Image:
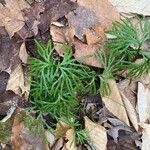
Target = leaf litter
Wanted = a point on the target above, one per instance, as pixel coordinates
(125, 119)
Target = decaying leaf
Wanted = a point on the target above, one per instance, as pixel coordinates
(70, 145)
(114, 132)
(143, 103)
(104, 10)
(114, 103)
(141, 7)
(4, 77)
(130, 111)
(97, 134)
(80, 19)
(23, 139)
(11, 15)
(18, 83)
(32, 20)
(9, 50)
(87, 23)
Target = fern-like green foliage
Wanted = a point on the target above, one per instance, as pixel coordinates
(129, 38)
(111, 65)
(56, 81)
(122, 51)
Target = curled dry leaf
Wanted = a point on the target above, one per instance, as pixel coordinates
(11, 15)
(143, 103)
(70, 145)
(114, 103)
(97, 134)
(18, 82)
(130, 111)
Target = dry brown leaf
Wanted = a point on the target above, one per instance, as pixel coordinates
(85, 53)
(114, 103)
(143, 103)
(61, 128)
(145, 136)
(18, 82)
(80, 19)
(129, 89)
(130, 111)
(97, 134)
(23, 139)
(103, 9)
(91, 38)
(11, 15)
(70, 145)
(23, 53)
(141, 7)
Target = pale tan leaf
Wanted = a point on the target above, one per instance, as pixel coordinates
(58, 36)
(50, 137)
(11, 15)
(114, 103)
(143, 102)
(70, 145)
(18, 82)
(141, 7)
(145, 136)
(23, 53)
(130, 111)
(97, 134)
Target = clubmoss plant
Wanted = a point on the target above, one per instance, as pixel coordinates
(56, 81)
(123, 50)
